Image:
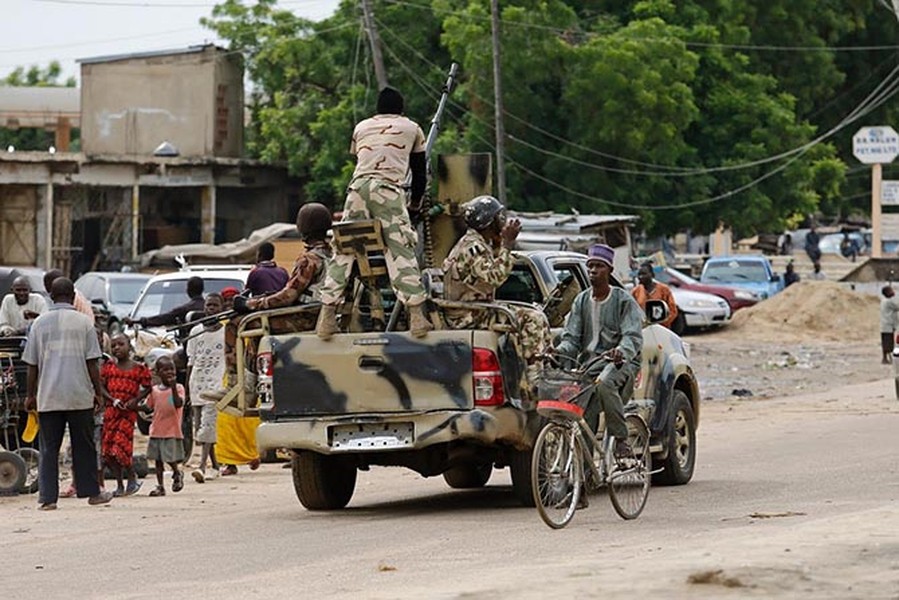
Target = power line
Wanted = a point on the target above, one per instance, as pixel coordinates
(770, 48)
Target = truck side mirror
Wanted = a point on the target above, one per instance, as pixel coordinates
(656, 311)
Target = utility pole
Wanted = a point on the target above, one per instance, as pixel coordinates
(498, 107)
(375, 42)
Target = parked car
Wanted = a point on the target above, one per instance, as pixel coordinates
(748, 271)
(164, 292)
(698, 310)
(35, 278)
(737, 298)
(112, 295)
(830, 243)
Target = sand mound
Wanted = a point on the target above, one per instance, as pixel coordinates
(812, 310)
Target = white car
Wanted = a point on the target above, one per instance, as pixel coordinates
(698, 310)
(168, 290)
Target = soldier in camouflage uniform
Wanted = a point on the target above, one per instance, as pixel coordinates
(313, 223)
(477, 265)
(387, 146)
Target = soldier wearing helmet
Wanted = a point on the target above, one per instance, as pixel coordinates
(477, 265)
(387, 147)
(313, 224)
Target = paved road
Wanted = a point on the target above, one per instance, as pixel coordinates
(792, 498)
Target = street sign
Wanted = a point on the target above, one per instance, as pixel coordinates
(889, 193)
(876, 145)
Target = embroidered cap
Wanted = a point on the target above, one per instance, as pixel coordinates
(601, 252)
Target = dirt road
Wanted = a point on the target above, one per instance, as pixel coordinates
(793, 497)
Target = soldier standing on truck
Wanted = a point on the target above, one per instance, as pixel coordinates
(477, 265)
(387, 146)
(606, 320)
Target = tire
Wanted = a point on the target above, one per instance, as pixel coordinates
(322, 482)
(13, 473)
(466, 477)
(679, 326)
(629, 480)
(677, 468)
(32, 459)
(556, 474)
(520, 470)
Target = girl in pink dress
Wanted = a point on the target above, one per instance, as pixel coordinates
(166, 440)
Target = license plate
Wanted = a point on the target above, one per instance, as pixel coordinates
(372, 436)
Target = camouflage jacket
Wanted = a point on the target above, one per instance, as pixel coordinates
(473, 270)
(302, 287)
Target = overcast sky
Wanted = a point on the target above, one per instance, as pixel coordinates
(35, 32)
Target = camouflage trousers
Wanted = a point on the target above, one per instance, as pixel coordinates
(369, 198)
(532, 338)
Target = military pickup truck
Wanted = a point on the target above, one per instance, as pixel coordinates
(446, 405)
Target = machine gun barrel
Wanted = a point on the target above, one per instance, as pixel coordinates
(441, 107)
(222, 316)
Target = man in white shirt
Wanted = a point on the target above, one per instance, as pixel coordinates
(20, 308)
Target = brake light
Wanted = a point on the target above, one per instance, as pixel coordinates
(264, 364)
(487, 378)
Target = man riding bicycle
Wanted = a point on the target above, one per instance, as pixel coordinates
(606, 320)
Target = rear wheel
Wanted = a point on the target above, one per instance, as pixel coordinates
(630, 477)
(556, 474)
(13, 473)
(32, 459)
(322, 482)
(468, 476)
(677, 468)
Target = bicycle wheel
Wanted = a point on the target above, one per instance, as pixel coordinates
(630, 477)
(556, 474)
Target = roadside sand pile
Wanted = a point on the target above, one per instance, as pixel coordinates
(811, 310)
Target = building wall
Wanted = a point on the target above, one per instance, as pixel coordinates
(18, 225)
(192, 100)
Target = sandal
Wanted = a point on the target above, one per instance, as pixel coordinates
(118, 493)
(229, 470)
(177, 481)
(133, 488)
(158, 491)
(254, 464)
(70, 491)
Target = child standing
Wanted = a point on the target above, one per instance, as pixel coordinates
(166, 446)
(205, 370)
(125, 383)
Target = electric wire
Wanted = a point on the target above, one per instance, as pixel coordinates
(771, 48)
(874, 100)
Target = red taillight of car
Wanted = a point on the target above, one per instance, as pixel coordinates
(264, 364)
(487, 378)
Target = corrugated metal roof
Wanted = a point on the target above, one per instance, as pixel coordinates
(149, 54)
(562, 223)
(40, 100)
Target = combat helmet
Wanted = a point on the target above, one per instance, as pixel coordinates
(480, 212)
(313, 220)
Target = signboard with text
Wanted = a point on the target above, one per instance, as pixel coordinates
(889, 193)
(875, 145)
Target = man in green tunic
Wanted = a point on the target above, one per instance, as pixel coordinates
(605, 320)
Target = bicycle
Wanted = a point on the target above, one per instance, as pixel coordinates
(561, 451)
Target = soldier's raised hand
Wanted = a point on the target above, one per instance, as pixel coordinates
(510, 232)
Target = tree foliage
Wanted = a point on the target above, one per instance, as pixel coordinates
(682, 111)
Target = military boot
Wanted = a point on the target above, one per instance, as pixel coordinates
(327, 322)
(419, 325)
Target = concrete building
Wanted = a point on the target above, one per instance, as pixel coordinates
(103, 206)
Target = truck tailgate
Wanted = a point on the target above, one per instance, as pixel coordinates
(371, 373)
